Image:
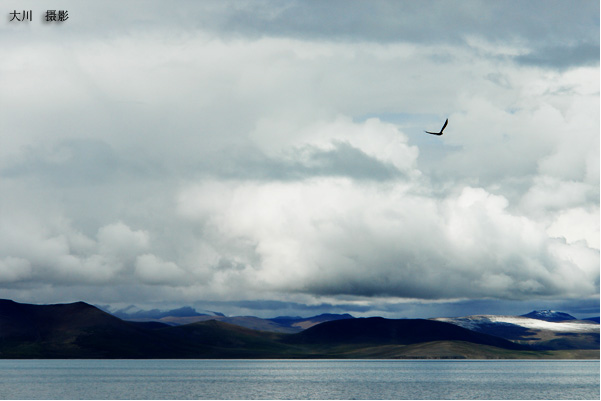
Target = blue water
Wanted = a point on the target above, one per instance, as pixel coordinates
(298, 379)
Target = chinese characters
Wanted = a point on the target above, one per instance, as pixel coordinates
(21, 16)
(58, 16)
(49, 16)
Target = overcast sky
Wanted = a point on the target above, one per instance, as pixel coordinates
(269, 157)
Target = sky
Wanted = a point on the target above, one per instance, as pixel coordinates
(269, 158)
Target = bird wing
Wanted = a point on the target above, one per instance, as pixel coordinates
(433, 133)
(444, 126)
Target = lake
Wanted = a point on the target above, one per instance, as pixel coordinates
(299, 379)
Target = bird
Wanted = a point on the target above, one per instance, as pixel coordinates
(442, 129)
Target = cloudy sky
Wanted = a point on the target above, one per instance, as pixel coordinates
(269, 157)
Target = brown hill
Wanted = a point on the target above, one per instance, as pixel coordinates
(76, 330)
(377, 330)
(80, 330)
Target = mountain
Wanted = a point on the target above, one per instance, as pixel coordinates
(537, 333)
(76, 330)
(549, 315)
(183, 315)
(280, 324)
(298, 323)
(187, 315)
(249, 322)
(80, 330)
(377, 330)
(216, 339)
(133, 313)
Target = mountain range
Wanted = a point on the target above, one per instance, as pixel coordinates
(80, 330)
(187, 315)
(538, 330)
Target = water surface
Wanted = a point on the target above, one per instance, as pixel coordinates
(298, 379)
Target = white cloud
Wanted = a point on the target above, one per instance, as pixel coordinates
(376, 139)
(577, 224)
(53, 251)
(339, 236)
(333, 236)
(286, 160)
(121, 242)
(14, 269)
(153, 270)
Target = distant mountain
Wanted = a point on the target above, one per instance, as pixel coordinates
(540, 334)
(187, 315)
(549, 315)
(253, 323)
(133, 313)
(377, 330)
(173, 317)
(280, 324)
(300, 323)
(80, 330)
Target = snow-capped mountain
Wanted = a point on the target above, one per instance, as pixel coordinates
(476, 322)
(549, 315)
(567, 334)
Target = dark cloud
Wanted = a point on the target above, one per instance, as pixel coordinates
(281, 307)
(77, 162)
(423, 22)
(549, 29)
(342, 160)
(562, 57)
(346, 160)
(392, 309)
(72, 162)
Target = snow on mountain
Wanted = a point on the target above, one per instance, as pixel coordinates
(549, 315)
(473, 322)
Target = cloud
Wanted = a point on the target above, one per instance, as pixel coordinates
(70, 162)
(38, 251)
(153, 270)
(331, 235)
(275, 151)
(384, 21)
(119, 241)
(562, 57)
(342, 159)
(577, 224)
(14, 269)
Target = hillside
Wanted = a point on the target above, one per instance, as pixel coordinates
(299, 324)
(80, 330)
(76, 330)
(549, 315)
(542, 334)
(377, 330)
(188, 315)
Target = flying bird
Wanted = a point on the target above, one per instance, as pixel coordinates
(442, 129)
